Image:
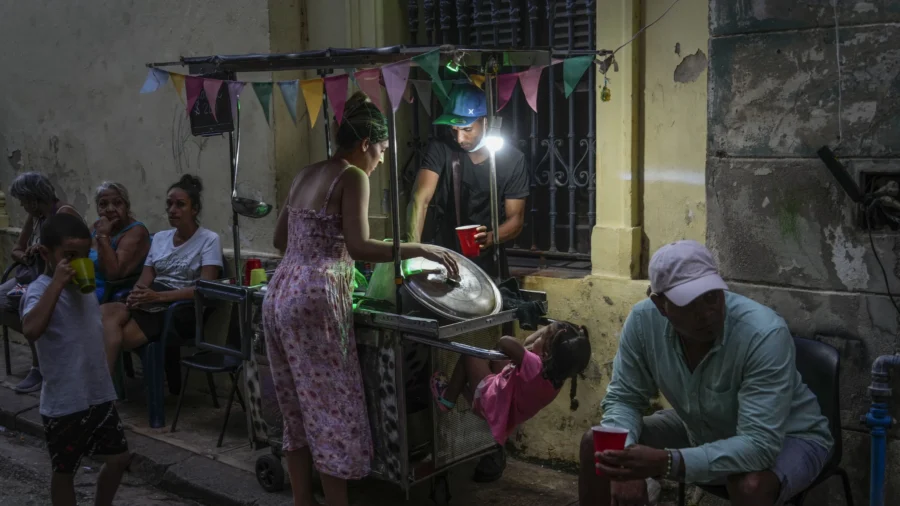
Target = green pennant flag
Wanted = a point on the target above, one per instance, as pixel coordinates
(441, 90)
(264, 94)
(430, 62)
(573, 70)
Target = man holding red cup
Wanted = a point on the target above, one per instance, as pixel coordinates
(741, 415)
(451, 191)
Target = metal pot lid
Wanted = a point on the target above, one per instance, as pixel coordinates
(475, 295)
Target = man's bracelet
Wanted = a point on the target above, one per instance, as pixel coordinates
(668, 473)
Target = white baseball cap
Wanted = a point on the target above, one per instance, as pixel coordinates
(683, 271)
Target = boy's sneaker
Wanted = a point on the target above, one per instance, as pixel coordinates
(31, 383)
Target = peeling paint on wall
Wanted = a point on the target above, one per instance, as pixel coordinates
(849, 260)
(690, 67)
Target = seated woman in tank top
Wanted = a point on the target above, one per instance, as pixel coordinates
(121, 242)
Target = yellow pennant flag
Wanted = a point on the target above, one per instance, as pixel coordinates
(178, 83)
(313, 91)
(477, 80)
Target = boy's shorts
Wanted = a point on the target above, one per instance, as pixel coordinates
(94, 431)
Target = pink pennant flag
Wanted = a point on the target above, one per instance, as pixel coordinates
(530, 79)
(369, 81)
(556, 61)
(234, 91)
(506, 85)
(395, 77)
(336, 90)
(193, 85)
(211, 87)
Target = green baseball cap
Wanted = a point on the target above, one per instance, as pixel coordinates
(467, 104)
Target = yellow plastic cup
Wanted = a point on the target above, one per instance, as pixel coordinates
(258, 277)
(84, 274)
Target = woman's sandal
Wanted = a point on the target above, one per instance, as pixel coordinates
(438, 387)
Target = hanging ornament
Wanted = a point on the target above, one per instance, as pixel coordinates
(605, 94)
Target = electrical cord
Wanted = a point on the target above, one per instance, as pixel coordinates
(887, 285)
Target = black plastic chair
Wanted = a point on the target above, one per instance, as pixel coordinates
(9, 319)
(213, 363)
(819, 365)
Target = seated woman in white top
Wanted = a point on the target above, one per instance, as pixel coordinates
(177, 259)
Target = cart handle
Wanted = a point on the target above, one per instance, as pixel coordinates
(462, 349)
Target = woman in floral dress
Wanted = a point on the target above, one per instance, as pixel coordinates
(307, 313)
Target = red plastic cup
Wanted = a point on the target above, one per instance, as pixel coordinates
(252, 263)
(466, 235)
(608, 438)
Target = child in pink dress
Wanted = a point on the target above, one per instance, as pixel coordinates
(508, 393)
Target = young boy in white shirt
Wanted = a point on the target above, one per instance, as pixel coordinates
(77, 397)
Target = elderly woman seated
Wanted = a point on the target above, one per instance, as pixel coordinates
(177, 259)
(38, 198)
(121, 243)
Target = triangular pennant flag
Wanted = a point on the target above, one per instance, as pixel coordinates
(573, 69)
(264, 95)
(530, 79)
(506, 85)
(289, 94)
(155, 79)
(430, 62)
(395, 77)
(477, 80)
(369, 82)
(234, 91)
(211, 87)
(423, 90)
(312, 93)
(178, 84)
(336, 89)
(193, 85)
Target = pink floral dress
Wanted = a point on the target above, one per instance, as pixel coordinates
(308, 319)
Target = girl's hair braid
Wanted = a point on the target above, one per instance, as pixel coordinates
(567, 358)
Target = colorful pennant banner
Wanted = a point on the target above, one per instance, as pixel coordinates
(336, 90)
(289, 94)
(312, 93)
(264, 95)
(393, 77)
(369, 81)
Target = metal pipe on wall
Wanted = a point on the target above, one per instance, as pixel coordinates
(879, 420)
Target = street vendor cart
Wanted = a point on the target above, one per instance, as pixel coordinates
(420, 325)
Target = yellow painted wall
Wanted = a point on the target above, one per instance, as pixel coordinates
(651, 191)
(674, 129)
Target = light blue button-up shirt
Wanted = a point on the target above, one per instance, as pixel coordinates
(738, 404)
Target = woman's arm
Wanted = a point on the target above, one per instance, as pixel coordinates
(21, 247)
(207, 272)
(281, 232)
(355, 209)
(132, 250)
(512, 348)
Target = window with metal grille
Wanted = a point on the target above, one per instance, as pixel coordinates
(558, 140)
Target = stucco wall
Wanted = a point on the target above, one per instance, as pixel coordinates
(670, 136)
(71, 108)
(783, 231)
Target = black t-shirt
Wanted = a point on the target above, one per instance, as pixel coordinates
(475, 193)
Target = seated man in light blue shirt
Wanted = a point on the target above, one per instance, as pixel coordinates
(742, 416)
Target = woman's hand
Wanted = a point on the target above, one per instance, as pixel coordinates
(32, 253)
(443, 257)
(142, 295)
(104, 226)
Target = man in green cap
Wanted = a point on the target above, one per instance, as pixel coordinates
(460, 161)
(455, 173)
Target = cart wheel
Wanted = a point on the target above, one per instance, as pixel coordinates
(440, 491)
(269, 473)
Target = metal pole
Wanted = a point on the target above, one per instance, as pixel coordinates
(323, 74)
(495, 218)
(395, 207)
(235, 148)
